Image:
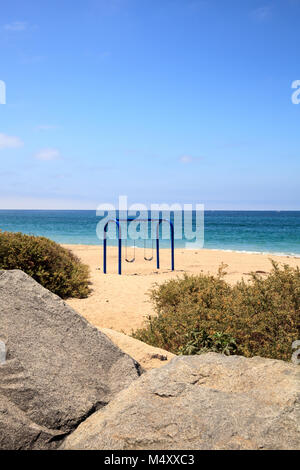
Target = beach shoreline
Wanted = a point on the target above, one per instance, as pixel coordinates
(196, 248)
(121, 303)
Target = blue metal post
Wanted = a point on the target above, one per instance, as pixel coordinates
(172, 245)
(172, 242)
(120, 253)
(119, 248)
(104, 253)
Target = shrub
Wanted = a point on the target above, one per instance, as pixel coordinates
(199, 342)
(53, 266)
(201, 313)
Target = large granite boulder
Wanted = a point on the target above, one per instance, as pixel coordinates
(58, 368)
(201, 402)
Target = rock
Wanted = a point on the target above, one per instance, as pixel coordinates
(58, 369)
(147, 356)
(18, 432)
(200, 402)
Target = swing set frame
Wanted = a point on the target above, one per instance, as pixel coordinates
(129, 219)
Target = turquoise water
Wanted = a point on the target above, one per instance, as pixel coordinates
(254, 231)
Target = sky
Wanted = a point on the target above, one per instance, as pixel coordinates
(164, 101)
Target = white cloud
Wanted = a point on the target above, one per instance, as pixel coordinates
(31, 59)
(16, 26)
(48, 154)
(186, 159)
(8, 141)
(261, 13)
(46, 127)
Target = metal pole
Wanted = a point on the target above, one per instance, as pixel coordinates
(104, 250)
(172, 242)
(172, 245)
(119, 246)
(104, 255)
(120, 252)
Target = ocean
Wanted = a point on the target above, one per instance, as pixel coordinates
(248, 231)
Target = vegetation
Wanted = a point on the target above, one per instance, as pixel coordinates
(203, 313)
(53, 266)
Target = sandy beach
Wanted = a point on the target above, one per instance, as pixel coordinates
(121, 303)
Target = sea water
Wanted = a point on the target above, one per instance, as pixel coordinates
(249, 231)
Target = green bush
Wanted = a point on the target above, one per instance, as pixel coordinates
(199, 342)
(53, 266)
(200, 313)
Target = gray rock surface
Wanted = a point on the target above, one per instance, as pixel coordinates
(201, 402)
(58, 368)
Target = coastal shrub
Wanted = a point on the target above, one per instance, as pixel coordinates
(199, 342)
(50, 264)
(195, 314)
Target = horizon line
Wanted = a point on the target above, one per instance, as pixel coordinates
(187, 210)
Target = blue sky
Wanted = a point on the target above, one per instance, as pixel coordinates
(163, 101)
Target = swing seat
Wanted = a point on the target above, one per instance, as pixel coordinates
(126, 257)
(145, 257)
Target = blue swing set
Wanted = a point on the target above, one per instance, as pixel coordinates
(129, 219)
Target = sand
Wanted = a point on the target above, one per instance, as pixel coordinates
(121, 303)
(147, 356)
